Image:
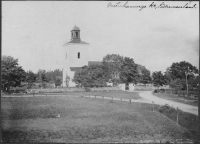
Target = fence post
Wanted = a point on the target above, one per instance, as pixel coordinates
(153, 105)
(112, 98)
(130, 101)
(177, 116)
(121, 99)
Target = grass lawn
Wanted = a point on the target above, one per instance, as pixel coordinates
(114, 94)
(83, 120)
(177, 98)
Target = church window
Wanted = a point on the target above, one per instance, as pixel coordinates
(76, 34)
(78, 54)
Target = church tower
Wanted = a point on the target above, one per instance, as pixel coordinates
(75, 56)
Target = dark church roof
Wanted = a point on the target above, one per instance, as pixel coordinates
(94, 63)
(77, 41)
(75, 28)
(75, 68)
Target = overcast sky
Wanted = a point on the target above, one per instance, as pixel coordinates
(34, 32)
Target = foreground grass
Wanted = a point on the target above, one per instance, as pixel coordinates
(114, 94)
(176, 98)
(83, 120)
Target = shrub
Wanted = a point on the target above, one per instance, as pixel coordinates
(156, 91)
(87, 89)
(162, 90)
(166, 108)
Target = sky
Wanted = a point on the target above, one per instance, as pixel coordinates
(34, 32)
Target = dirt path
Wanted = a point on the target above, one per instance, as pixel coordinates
(147, 97)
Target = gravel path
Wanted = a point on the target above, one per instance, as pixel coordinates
(148, 97)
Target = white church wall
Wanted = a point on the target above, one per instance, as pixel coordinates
(73, 50)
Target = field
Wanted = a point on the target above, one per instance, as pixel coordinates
(34, 119)
(114, 93)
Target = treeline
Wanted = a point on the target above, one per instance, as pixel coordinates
(180, 76)
(13, 75)
(114, 69)
(43, 77)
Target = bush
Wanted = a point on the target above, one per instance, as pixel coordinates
(162, 90)
(166, 108)
(156, 91)
(87, 89)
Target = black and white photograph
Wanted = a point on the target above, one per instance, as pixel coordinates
(100, 72)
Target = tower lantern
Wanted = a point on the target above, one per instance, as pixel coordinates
(75, 34)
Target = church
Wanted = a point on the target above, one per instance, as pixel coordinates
(76, 55)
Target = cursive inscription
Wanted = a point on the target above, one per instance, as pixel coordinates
(163, 5)
(154, 5)
(126, 5)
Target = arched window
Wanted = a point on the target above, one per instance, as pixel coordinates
(66, 55)
(78, 54)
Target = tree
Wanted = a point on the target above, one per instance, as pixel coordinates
(12, 74)
(182, 70)
(129, 73)
(112, 67)
(58, 81)
(176, 84)
(81, 77)
(67, 79)
(144, 75)
(193, 82)
(30, 78)
(177, 70)
(159, 79)
(97, 75)
(90, 76)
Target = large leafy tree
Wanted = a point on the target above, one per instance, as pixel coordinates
(112, 67)
(177, 70)
(159, 79)
(12, 73)
(176, 84)
(144, 75)
(182, 70)
(81, 77)
(129, 73)
(91, 76)
(97, 75)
